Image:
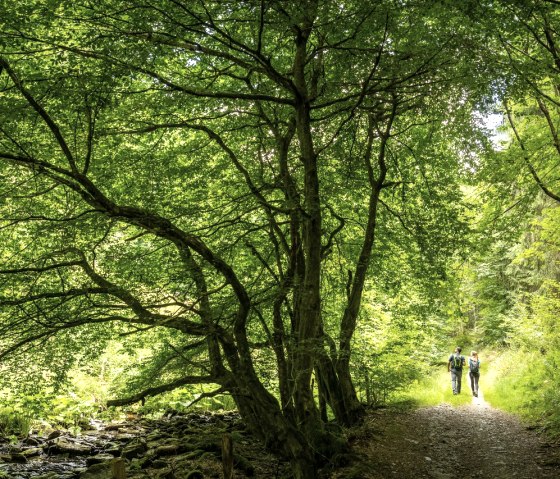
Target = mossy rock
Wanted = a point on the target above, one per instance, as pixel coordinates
(237, 436)
(158, 464)
(194, 454)
(243, 464)
(165, 474)
(194, 475)
(210, 444)
(210, 456)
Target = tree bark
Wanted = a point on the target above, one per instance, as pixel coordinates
(350, 317)
(227, 456)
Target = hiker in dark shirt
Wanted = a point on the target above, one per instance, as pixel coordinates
(474, 372)
(455, 366)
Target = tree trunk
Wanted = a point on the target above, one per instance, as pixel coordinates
(330, 384)
(304, 444)
(354, 408)
(350, 317)
(227, 456)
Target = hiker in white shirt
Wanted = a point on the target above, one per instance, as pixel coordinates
(474, 372)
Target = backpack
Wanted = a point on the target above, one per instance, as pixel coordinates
(474, 365)
(457, 361)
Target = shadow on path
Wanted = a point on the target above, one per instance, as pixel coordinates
(474, 441)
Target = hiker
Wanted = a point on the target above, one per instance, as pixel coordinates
(474, 372)
(455, 366)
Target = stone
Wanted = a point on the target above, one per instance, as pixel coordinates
(195, 475)
(64, 445)
(99, 458)
(98, 471)
(18, 458)
(113, 427)
(31, 441)
(159, 464)
(134, 449)
(112, 448)
(243, 464)
(32, 452)
(194, 454)
(167, 450)
(165, 474)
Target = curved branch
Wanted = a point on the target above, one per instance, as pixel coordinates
(60, 327)
(532, 170)
(39, 269)
(142, 218)
(72, 293)
(141, 396)
(341, 223)
(42, 112)
(201, 93)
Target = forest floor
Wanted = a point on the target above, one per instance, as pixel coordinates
(474, 441)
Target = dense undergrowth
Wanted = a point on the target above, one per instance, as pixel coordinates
(526, 383)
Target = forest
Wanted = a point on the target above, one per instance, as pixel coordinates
(293, 210)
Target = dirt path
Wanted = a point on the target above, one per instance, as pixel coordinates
(444, 442)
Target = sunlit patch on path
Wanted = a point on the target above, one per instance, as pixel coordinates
(479, 401)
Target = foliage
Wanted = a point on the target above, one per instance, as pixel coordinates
(524, 377)
(14, 422)
(256, 199)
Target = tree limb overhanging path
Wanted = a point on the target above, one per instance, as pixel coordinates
(444, 442)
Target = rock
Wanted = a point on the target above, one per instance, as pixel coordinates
(209, 444)
(167, 450)
(244, 464)
(143, 462)
(195, 454)
(113, 427)
(112, 448)
(54, 435)
(113, 469)
(165, 474)
(65, 445)
(31, 441)
(195, 475)
(156, 436)
(99, 458)
(98, 471)
(32, 452)
(134, 449)
(159, 464)
(14, 457)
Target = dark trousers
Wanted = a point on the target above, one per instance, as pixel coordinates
(474, 381)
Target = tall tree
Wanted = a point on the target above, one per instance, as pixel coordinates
(193, 168)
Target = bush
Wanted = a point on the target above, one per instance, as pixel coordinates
(14, 423)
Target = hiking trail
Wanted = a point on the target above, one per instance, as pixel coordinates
(444, 442)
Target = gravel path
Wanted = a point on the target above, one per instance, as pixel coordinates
(445, 442)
